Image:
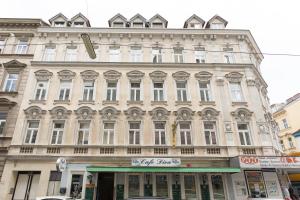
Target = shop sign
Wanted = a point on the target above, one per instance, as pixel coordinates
(269, 162)
(155, 162)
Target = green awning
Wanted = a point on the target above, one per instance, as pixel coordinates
(161, 169)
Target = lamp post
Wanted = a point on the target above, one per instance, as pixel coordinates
(88, 45)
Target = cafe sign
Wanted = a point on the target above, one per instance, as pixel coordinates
(155, 162)
(269, 162)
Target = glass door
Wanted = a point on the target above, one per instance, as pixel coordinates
(133, 185)
(162, 185)
(217, 187)
(190, 187)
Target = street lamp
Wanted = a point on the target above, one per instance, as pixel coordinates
(88, 45)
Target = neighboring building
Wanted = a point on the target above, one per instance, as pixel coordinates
(159, 112)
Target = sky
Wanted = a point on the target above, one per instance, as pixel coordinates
(274, 24)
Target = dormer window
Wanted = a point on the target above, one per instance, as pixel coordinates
(59, 24)
(196, 25)
(216, 22)
(118, 24)
(78, 24)
(217, 26)
(157, 25)
(137, 24)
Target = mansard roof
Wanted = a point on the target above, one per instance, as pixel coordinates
(80, 15)
(194, 16)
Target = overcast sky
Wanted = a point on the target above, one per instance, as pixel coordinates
(274, 24)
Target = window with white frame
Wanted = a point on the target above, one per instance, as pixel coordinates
(83, 133)
(57, 132)
(205, 91)
(185, 133)
(31, 132)
(65, 89)
(137, 24)
(181, 90)
(59, 24)
(3, 116)
(41, 90)
(135, 91)
(236, 92)
(210, 133)
(244, 134)
(10, 84)
(216, 26)
(118, 24)
(136, 54)
(49, 53)
(156, 55)
(291, 142)
(88, 90)
(282, 144)
(114, 54)
(71, 53)
(285, 123)
(111, 92)
(134, 132)
(108, 133)
(178, 55)
(160, 133)
(22, 46)
(78, 24)
(200, 55)
(158, 91)
(196, 25)
(2, 45)
(228, 57)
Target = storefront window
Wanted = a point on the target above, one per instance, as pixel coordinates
(217, 186)
(133, 185)
(256, 184)
(189, 187)
(76, 186)
(161, 185)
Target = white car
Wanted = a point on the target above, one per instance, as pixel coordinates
(53, 198)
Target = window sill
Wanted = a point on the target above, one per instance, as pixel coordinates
(62, 102)
(153, 103)
(110, 102)
(86, 102)
(187, 103)
(240, 103)
(37, 101)
(204, 103)
(13, 94)
(134, 102)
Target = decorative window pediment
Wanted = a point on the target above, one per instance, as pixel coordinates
(43, 75)
(14, 66)
(60, 112)
(184, 114)
(112, 75)
(203, 76)
(109, 113)
(135, 75)
(66, 75)
(159, 114)
(158, 75)
(234, 77)
(181, 76)
(242, 114)
(89, 75)
(209, 114)
(85, 112)
(134, 113)
(6, 103)
(34, 112)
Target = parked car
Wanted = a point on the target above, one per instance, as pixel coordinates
(53, 198)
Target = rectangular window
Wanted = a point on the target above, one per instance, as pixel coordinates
(190, 187)
(228, 57)
(160, 133)
(108, 133)
(49, 53)
(136, 54)
(83, 133)
(59, 24)
(54, 183)
(88, 90)
(65, 89)
(10, 84)
(134, 132)
(2, 45)
(157, 25)
(118, 24)
(236, 92)
(31, 132)
(137, 24)
(135, 91)
(57, 132)
(71, 53)
(133, 185)
(216, 26)
(156, 55)
(210, 133)
(41, 90)
(181, 91)
(178, 55)
(200, 56)
(158, 91)
(285, 123)
(114, 54)
(282, 144)
(205, 91)
(76, 186)
(111, 93)
(2, 122)
(78, 24)
(256, 184)
(244, 134)
(22, 46)
(185, 133)
(217, 187)
(291, 142)
(162, 186)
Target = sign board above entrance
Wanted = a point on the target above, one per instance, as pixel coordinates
(269, 162)
(155, 162)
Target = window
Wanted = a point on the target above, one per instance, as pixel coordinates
(2, 122)
(76, 186)
(71, 53)
(83, 133)
(160, 133)
(59, 24)
(64, 91)
(236, 92)
(135, 91)
(114, 54)
(190, 187)
(54, 183)
(10, 84)
(136, 54)
(282, 144)
(210, 133)
(41, 90)
(133, 185)
(161, 185)
(2, 45)
(134, 132)
(57, 132)
(137, 24)
(88, 90)
(228, 57)
(156, 55)
(111, 93)
(291, 142)
(49, 53)
(181, 91)
(22, 46)
(205, 91)
(200, 56)
(217, 187)
(178, 56)
(216, 26)
(108, 135)
(244, 134)
(158, 91)
(285, 123)
(78, 24)
(185, 133)
(196, 25)
(31, 132)
(118, 24)
(256, 184)
(157, 25)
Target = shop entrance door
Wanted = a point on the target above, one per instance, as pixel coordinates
(105, 186)
(26, 186)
